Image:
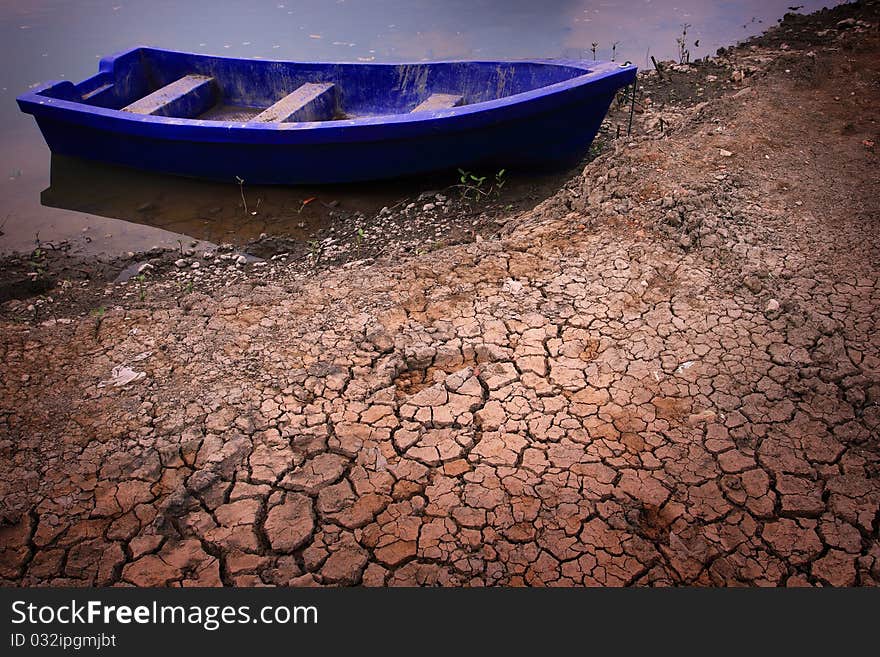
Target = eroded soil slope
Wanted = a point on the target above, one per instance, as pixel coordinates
(668, 373)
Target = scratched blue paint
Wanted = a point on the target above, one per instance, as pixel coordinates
(517, 114)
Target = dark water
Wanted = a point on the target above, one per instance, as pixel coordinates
(102, 210)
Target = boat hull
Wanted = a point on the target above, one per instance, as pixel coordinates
(542, 130)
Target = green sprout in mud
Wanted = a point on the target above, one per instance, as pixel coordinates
(183, 290)
(99, 312)
(474, 188)
(142, 292)
(38, 260)
(359, 238)
(500, 181)
(314, 251)
(241, 190)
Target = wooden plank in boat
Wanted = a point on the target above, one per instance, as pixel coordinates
(436, 102)
(90, 95)
(189, 96)
(313, 101)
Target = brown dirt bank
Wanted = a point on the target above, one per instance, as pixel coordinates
(668, 373)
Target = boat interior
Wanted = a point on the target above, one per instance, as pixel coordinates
(155, 82)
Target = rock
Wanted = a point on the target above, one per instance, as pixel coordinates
(122, 376)
(428, 207)
(772, 307)
(753, 283)
(725, 153)
(513, 287)
(181, 263)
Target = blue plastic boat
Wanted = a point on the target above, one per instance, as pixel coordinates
(277, 122)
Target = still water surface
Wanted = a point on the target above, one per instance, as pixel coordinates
(104, 211)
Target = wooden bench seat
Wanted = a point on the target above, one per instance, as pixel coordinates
(436, 102)
(184, 98)
(313, 101)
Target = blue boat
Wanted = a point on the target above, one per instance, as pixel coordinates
(278, 122)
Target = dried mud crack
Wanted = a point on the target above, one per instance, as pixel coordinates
(668, 373)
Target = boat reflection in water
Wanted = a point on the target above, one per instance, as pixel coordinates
(213, 212)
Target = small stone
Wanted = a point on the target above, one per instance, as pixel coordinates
(753, 283)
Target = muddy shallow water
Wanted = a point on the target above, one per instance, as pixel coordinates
(109, 211)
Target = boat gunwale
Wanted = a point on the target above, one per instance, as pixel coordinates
(594, 71)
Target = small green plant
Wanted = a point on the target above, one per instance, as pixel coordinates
(470, 185)
(473, 187)
(142, 292)
(99, 312)
(359, 238)
(241, 190)
(314, 251)
(38, 260)
(500, 181)
(684, 55)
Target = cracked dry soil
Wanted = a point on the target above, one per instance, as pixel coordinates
(668, 373)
